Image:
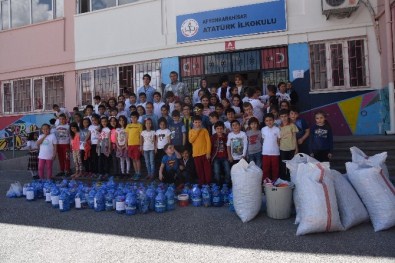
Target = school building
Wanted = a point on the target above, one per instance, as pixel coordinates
(338, 54)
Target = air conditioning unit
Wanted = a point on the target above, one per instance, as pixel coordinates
(339, 8)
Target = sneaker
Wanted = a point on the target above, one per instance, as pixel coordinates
(136, 177)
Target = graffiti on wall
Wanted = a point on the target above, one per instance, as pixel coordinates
(14, 130)
(364, 114)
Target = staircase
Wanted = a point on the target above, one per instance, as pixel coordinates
(371, 145)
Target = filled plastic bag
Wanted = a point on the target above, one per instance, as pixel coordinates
(376, 192)
(351, 209)
(15, 190)
(317, 200)
(247, 189)
(377, 160)
(292, 165)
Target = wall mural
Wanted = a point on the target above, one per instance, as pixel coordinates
(20, 126)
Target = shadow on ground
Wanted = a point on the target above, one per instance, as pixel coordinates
(195, 226)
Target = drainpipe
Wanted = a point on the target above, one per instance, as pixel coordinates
(390, 66)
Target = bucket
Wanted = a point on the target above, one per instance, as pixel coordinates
(183, 200)
(278, 201)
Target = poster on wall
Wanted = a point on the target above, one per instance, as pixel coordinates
(235, 21)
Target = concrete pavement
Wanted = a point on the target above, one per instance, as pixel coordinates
(32, 231)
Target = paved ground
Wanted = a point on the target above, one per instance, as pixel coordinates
(34, 232)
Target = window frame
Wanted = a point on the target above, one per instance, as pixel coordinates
(346, 66)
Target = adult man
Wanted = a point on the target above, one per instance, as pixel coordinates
(178, 88)
(147, 89)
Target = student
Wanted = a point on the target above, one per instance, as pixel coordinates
(165, 114)
(248, 114)
(219, 154)
(284, 105)
(104, 148)
(122, 146)
(47, 153)
(149, 114)
(304, 131)
(214, 118)
(121, 109)
(101, 111)
(272, 100)
(201, 147)
(142, 99)
(158, 103)
(187, 167)
(170, 99)
(147, 88)
(198, 111)
(257, 106)
(277, 119)
(58, 111)
(113, 112)
(132, 101)
(141, 112)
(133, 131)
(62, 133)
(169, 168)
(178, 106)
(162, 138)
(238, 107)
(75, 148)
(282, 92)
(219, 108)
(223, 91)
(187, 100)
(177, 130)
(188, 122)
(321, 138)
(202, 87)
(254, 136)
(148, 147)
(230, 116)
(85, 145)
(113, 140)
(32, 147)
(270, 148)
(96, 103)
(237, 143)
(288, 144)
(226, 103)
(94, 130)
(77, 118)
(213, 102)
(52, 125)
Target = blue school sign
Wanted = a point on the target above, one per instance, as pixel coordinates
(235, 21)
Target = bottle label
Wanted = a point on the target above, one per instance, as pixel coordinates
(77, 203)
(120, 206)
(55, 200)
(61, 204)
(216, 199)
(24, 190)
(29, 195)
(170, 201)
(160, 206)
(47, 197)
(94, 203)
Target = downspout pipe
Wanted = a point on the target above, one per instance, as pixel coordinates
(390, 66)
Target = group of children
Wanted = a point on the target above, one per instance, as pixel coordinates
(109, 139)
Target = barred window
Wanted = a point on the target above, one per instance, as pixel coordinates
(22, 96)
(339, 65)
(54, 91)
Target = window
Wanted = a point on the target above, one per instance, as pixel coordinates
(101, 4)
(85, 87)
(26, 12)
(151, 68)
(25, 95)
(126, 78)
(22, 95)
(105, 82)
(339, 65)
(84, 6)
(123, 2)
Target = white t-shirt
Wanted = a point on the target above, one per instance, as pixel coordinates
(149, 140)
(270, 137)
(157, 108)
(94, 129)
(283, 96)
(105, 133)
(121, 136)
(258, 107)
(238, 144)
(163, 137)
(62, 134)
(47, 148)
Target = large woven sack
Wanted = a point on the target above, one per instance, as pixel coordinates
(377, 160)
(351, 209)
(376, 192)
(318, 205)
(247, 189)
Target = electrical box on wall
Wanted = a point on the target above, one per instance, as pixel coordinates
(339, 8)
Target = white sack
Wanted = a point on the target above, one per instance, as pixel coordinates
(247, 189)
(377, 160)
(351, 209)
(317, 200)
(376, 192)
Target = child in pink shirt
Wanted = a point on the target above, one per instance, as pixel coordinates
(75, 148)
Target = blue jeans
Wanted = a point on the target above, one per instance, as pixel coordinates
(257, 158)
(149, 158)
(218, 164)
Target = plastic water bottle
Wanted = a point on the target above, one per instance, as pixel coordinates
(225, 194)
(206, 196)
(25, 186)
(48, 195)
(109, 201)
(230, 198)
(131, 204)
(170, 204)
(143, 203)
(160, 202)
(120, 203)
(151, 194)
(91, 198)
(38, 190)
(196, 196)
(55, 197)
(64, 201)
(99, 202)
(30, 193)
(80, 200)
(217, 197)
